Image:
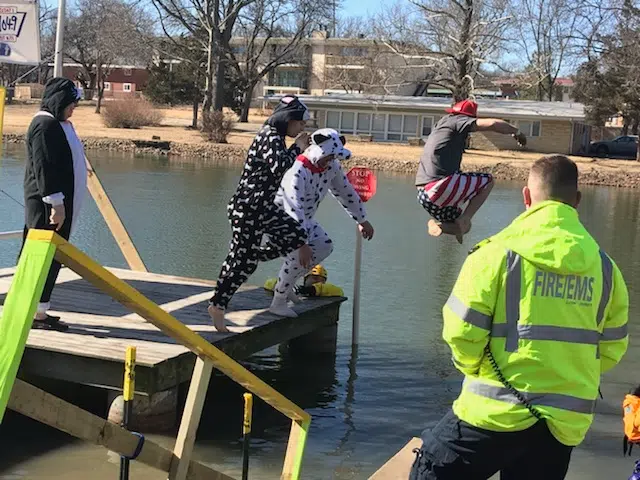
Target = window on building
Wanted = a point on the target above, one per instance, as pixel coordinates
(378, 124)
(333, 120)
(530, 128)
(394, 128)
(126, 87)
(107, 86)
(348, 122)
(127, 72)
(354, 52)
(289, 78)
(364, 124)
(427, 126)
(410, 127)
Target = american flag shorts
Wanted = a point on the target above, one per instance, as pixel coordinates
(444, 198)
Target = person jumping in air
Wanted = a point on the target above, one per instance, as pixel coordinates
(443, 189)
(252, 210)
(316, 172)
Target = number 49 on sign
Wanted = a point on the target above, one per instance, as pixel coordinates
(365, 184)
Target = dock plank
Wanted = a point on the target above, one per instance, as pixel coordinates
(92, 350)
(399, 466)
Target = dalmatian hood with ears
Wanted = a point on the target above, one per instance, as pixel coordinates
(325, 142)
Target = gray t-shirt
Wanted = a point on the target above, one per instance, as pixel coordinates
(442, 154)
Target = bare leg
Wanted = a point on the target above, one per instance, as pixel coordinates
(476, 202)
(463, 222)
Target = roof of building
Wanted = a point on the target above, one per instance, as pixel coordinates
(486, 107)
(561, 81)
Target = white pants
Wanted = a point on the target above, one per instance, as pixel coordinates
(291, 270)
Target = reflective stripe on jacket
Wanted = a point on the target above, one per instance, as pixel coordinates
(553, 308)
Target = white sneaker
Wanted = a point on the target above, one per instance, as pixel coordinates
(279, 307)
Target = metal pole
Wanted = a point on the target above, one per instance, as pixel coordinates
(57, 68)
(127, 393)
(356, 290)
(246, 434)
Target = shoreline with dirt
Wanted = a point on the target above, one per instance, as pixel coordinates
(612, 173)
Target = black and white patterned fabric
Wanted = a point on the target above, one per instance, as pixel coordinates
(302, 190)
(253, 213)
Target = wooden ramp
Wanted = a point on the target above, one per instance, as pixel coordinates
(92, 351)
(399, 467)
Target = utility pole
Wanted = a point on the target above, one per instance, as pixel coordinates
(57, 68)
(334, 19)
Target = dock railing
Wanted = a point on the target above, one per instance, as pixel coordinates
(11, 235)
(40, 248)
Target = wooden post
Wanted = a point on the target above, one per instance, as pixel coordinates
(116, 227)
(295, 450)
(190, 419)
(50, 410)
(11, 235)
(355, 330)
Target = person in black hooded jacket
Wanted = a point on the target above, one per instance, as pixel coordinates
(252, 210)
(55, 178)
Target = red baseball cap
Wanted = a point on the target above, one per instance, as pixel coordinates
(465, 107)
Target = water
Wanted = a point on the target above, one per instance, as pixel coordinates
(364, 407)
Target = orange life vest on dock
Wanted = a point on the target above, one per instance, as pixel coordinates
(631, 420)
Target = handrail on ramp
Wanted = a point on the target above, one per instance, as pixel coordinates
(11, 234)
(42, 246)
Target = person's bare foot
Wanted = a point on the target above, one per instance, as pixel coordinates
(435, 230)
(217, 315)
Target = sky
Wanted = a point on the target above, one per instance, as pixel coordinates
(362, 7)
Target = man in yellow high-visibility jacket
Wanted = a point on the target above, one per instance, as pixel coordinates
(538, 312)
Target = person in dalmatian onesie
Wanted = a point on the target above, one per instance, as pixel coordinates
(316, 172)
(252, 210)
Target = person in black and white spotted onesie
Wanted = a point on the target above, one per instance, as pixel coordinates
(252, 210)
(315, 173)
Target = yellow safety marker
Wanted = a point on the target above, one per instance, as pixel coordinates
(246, 434)
(248, 407)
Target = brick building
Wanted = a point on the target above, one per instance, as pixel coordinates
(550, 127)
(123, 81)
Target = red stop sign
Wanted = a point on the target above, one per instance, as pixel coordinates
(364, 182)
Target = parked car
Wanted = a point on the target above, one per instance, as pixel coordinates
(622, 146)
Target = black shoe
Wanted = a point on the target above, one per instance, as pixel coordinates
(50, 323)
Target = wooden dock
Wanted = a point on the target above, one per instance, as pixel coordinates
(92, 351)
(399, 466)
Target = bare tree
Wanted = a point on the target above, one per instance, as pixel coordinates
(374, 67)
(211, 22)
(464, 35)
(609, 82)
(192, 58)
(383, 56)
(353, 27)
(94, 39)
(545, 31)
(270, 34)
